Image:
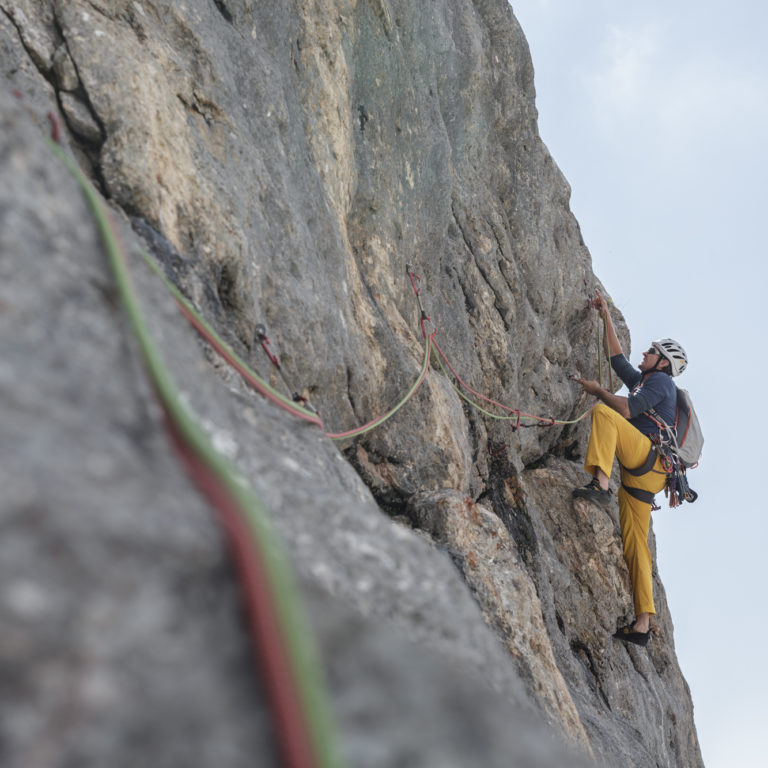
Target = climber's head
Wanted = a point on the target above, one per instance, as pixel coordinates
(653, 361)
(674, 353)
(665, 355)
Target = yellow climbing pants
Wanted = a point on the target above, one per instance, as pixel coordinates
(612, 435)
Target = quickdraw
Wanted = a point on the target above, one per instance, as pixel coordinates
(416, 285)
(677, 489)
(300, 406)
(260, 332)
(515, 413)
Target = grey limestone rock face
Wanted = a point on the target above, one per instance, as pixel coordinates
(285, 163)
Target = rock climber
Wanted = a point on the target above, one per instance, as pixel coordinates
(621, 427)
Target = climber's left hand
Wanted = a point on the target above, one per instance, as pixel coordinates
(590, 386)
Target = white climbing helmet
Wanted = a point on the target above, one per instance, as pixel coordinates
(672, 351)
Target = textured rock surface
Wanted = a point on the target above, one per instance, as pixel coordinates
(285, 164)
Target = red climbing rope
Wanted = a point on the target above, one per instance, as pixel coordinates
(243, 370)
(295, 743)
(475, 392)
(542, 421)
(303, 727)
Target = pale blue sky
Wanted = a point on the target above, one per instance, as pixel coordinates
(657, 115)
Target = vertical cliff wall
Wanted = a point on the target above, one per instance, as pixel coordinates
(284, 163)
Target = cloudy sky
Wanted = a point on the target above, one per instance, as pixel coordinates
(657, 114)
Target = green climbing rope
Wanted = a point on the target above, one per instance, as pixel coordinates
(287, 602)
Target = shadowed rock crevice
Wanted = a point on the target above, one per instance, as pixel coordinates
(224, 10)
(227, 283)
(48, 51)
(74, 101)
(584, 655)
(506, 498)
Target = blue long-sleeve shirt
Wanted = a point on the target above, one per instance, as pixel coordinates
(655, 390)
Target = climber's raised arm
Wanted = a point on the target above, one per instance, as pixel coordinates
(612, 343)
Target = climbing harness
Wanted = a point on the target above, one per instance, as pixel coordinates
(647, 497)
(677, 489)
(304, 727)
(664, 446)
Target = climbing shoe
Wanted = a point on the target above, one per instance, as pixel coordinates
(628, 635)
(593, 492)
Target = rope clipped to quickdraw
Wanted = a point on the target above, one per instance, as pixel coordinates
(303, 411)
(304, 727)
(515, 414)
(416, 285)
(228, 354)
(260, 334)
(308, 413)
(377, 422)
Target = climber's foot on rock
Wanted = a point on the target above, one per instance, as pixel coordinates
(593, 492)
